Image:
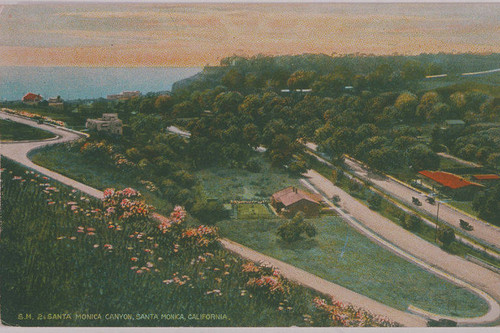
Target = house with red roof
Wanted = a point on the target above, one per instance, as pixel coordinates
(32, 99)
(291, 200)
(451, 184)
(486, 179)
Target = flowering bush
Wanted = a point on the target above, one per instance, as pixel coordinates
(97, 150)
(35, 116)
(124, 205)
(266, 280)
(173, 222)
(121, 162)
(203, 236)
(349, 316)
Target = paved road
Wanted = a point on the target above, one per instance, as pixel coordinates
(326, 287)
(494, 308)
(18, 152)
(432, 255)
(483, 232)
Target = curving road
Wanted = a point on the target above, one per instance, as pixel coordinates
(429, 254)
(484, 233)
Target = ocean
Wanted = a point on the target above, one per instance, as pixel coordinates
(87, 82)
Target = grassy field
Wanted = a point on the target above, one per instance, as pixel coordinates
(76, 166)
(13, 131)
(235, 184)
(253, 211)
(342, 255)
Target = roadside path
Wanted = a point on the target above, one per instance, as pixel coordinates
(479, 277)
(18, 152)
(483, 232)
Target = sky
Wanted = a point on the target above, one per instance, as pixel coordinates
(192, 34)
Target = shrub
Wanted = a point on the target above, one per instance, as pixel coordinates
(293, 229)
(411, 222)
(124, 204)
(208, 212)
(375, 201)
(446, 236)
(253, 165)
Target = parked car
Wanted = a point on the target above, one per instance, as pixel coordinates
(466, 225)
(430, 200)
(416, 201)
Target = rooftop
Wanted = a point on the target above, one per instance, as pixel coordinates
(448, 179)
(486, 177)
(291, 195)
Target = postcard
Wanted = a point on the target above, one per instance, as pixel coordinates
(233, 164)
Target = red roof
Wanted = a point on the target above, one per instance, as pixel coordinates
(291, 195)
(447, 179)
(32, 97)
(486, 177)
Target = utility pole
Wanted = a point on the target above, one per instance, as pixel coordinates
(437, 220)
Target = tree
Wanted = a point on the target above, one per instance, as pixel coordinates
(383, 158)
(301, 79)
(486, 203)
(427, 102)
(292, 230)
(439, 112)
(422, 157)
(233, 79)
(406, 104)
(446, 236)
(298, 167)
(281, 150)
(208, 212)
(164, 104)
(412, 70)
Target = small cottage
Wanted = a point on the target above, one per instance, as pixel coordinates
(291, 200)
(32, 99)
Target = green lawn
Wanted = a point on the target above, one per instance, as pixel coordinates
(76, 166)
(13, 131)
(228, 184)
(253, 211)
(342, 255)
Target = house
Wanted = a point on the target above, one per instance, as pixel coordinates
(108, 123)
(32, 99)
(56, 102)
(454, 123)
(291, 200)
(451, 184)
(296, 90)
(124, 95)
(486, 179)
